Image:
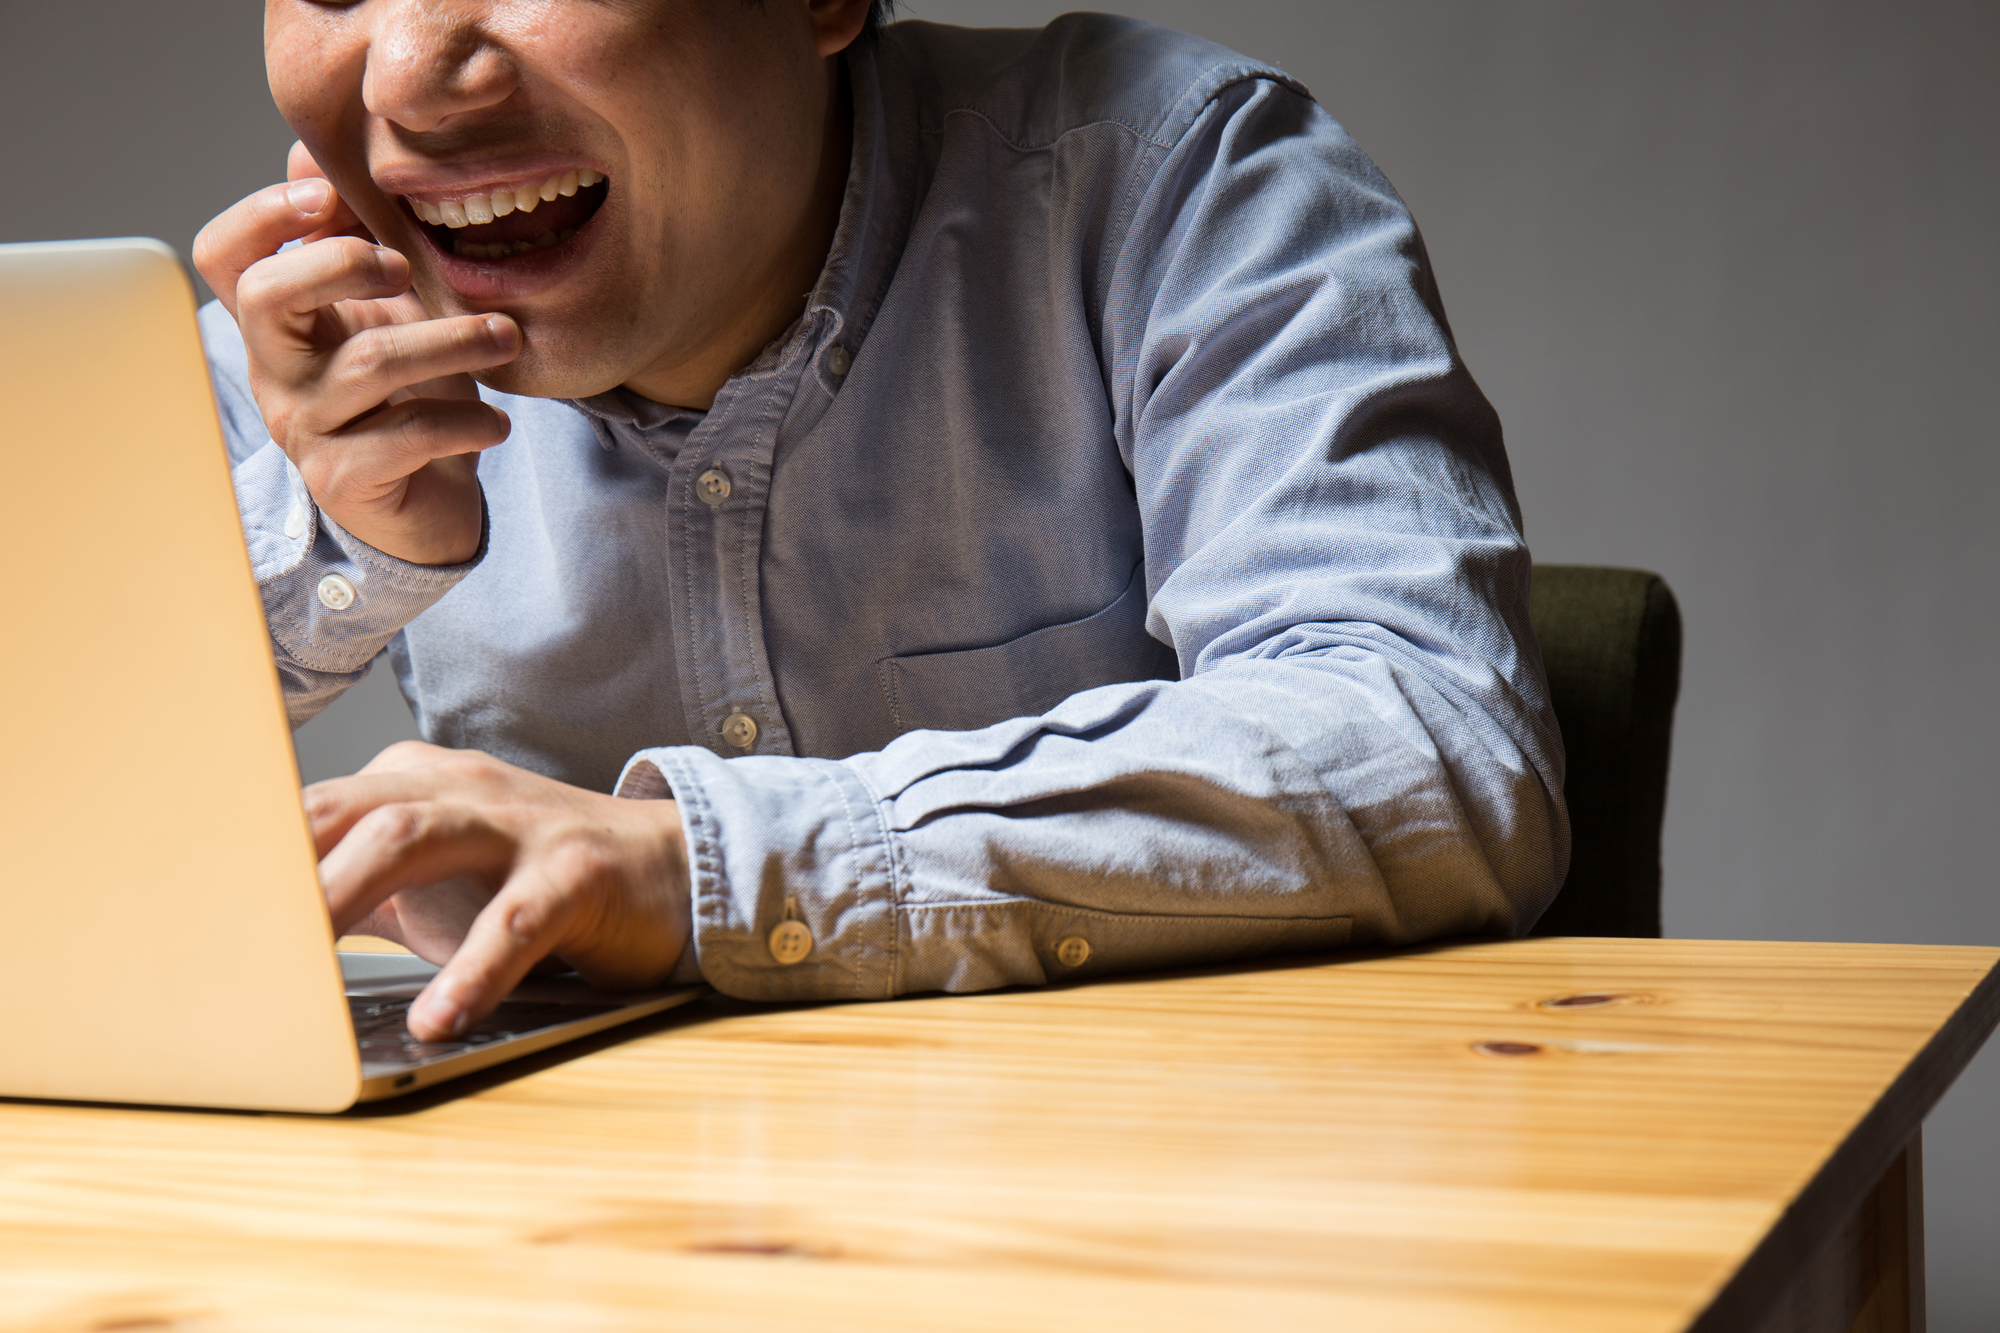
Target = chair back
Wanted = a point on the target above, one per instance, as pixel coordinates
(1611, 642)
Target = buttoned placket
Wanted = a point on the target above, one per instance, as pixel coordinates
(721, 482)
(720, 477)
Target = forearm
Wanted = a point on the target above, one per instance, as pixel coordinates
(1325, 797)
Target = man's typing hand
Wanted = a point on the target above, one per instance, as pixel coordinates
(371, 398)
(487, 869)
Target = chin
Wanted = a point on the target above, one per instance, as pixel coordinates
(541, 375)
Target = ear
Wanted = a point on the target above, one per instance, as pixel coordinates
(836, 23)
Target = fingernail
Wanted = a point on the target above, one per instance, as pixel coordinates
(309, 196)
(439, 1013)
(504, 332)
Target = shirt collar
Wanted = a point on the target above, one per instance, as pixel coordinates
(874, 213)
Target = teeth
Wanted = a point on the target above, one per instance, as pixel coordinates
(474, 209)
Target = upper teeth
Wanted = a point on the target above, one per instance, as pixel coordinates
(456, 213)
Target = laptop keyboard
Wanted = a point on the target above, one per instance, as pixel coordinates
(381, 1026)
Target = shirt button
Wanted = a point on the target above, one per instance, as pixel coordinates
(790, 942)
(837, 362)
(740, 730)
(295, 522)
(336, 593)
(1072, 950)
(712, 486)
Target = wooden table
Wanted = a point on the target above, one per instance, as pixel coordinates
(1547, 1135)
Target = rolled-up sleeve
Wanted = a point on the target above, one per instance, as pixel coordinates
(1360, 748)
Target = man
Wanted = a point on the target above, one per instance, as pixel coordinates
(1010, 499)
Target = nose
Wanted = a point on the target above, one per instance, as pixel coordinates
(429, 62)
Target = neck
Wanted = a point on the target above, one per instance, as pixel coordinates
(781, 297)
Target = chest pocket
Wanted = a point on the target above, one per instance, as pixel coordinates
(1025, 677)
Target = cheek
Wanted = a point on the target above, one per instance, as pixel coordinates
(314, 69)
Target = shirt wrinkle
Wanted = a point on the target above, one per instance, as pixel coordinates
(1116, 533)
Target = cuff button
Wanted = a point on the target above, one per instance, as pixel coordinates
(1072, 951)
(790, 942)
(336, 593)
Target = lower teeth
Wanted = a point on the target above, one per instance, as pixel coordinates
(507, 249)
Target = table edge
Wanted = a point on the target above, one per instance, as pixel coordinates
(1852, 1170)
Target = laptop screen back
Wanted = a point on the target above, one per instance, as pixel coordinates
(165, 938)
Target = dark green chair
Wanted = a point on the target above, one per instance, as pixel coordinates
(1611, 641)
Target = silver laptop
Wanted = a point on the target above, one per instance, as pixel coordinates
(164, 938)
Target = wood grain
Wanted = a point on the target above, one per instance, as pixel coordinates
(1543, 1135)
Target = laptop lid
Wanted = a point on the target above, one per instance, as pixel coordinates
(165, 938)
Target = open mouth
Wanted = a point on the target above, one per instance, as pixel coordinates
(500, 222)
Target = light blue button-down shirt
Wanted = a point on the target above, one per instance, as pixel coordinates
(1116, 549)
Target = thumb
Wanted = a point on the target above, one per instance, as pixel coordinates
(299, 165)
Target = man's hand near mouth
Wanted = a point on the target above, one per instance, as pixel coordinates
(371, 398)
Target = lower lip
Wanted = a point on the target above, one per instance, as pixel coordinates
(516, 276)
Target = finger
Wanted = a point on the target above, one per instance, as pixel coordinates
(432, 919)
(383, 924)
(392, 468)
(449, 386)
(407, 756)
(337, 804)
(403, 845)
(299, 165)
(374, 363)
(521, 926)
(431, 922)
(299, 162)
(280, 298)
(254, 227)
(408, 771)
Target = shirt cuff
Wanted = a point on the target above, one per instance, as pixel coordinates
(331, 600)
(775, 840)
(641, 780)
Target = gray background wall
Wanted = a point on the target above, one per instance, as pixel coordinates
(1727, 268)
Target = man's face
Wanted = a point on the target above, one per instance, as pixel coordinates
(702, 123)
